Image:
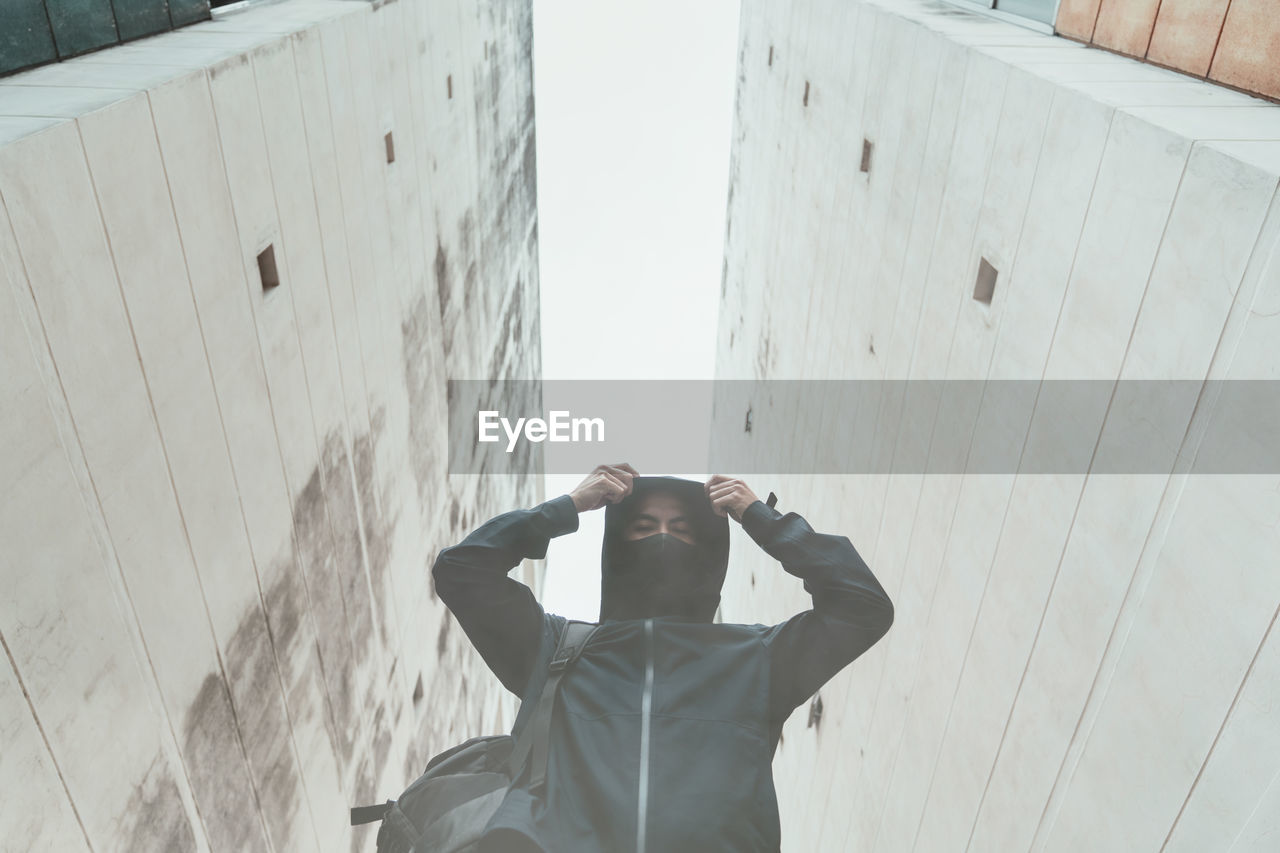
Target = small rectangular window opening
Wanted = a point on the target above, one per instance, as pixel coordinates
(806, 93)
(985, 287)
(866, 156)
(770, 56)
(448, 82)
(267, 272)
(391, 147)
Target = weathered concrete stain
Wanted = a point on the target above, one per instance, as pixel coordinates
(264, 725)
(328, 611)
(304, 688)
(766, 357)
(442, 638)
(262, 652)
(443, 285)
(218, 772)
(348, 544)
(154, 818)
(426, 414)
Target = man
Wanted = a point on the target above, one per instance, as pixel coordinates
(665, 729)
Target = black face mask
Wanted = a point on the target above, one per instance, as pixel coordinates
(658, 575)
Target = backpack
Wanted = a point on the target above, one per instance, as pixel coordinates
(448, 807)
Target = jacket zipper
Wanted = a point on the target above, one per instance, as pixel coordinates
(646, 704)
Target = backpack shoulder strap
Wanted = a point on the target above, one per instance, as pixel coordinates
(537, 733)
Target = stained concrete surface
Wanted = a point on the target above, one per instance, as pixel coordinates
(222, 502)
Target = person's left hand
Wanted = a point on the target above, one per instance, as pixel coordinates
(729, 495)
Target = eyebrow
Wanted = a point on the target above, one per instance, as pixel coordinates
(644, 516)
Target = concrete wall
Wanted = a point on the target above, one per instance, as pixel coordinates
(1078, 662)
(220, 503)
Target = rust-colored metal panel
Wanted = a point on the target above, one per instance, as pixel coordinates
(1186, 32)
(1076, 18)
(1125, 25)
(1248, 53)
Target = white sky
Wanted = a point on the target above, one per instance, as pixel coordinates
(634, 111)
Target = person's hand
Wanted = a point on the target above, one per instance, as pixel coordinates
(729, 495)
(606, 484)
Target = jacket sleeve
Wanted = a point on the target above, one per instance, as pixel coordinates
(850, 613)
(499, 614)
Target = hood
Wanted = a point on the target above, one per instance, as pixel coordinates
(622, 599)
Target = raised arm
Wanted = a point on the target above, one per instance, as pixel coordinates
(499, 614)
(850, 613)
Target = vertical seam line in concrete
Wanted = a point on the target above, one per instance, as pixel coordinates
(346, 233)
(372, 309)
(924, 150)
(382, 311)
(1268, 250)
(377, 608)
(815, 295)
(903, 574)
(315, 201)
(866, 216)
(344, 424)
(204, 348)
(295, 564)
(914, 199)
(1084, 222)
(159, 437)
(315, 435)
(1235, 700)
(933, 432)
(900, 578)
(302, 352)
(1000, 534)
(340, 36)
(35, 309)
(364, 367)
(1273, 782)
(431, 293)
(1098, 687)
(266, 388)
(956, 691)
(44, 737)
(116, 579)
(1044, 133)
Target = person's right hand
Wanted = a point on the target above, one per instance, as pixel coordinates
(606, 484)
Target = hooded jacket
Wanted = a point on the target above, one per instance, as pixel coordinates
(692, 589)
(664, 732)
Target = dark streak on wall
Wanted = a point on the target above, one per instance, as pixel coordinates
(157, 820)
(316, 553)
(324, 628)
(425, 410)
(217, 770)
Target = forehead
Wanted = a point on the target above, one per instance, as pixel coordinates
(660, 504)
